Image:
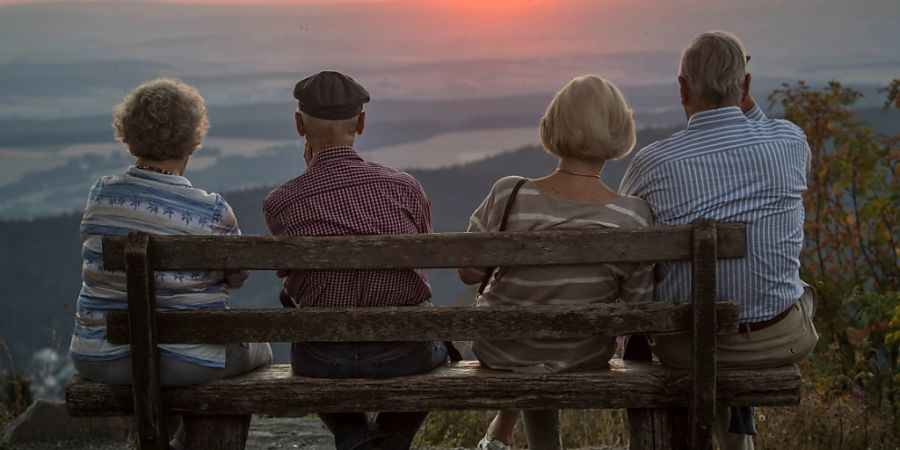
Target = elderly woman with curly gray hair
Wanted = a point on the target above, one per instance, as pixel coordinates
(161, 123)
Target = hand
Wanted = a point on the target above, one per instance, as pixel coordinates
(747, 102)
(286, 300)
(236, 279)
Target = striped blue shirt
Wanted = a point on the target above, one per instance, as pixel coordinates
(733, 168)
(140, 200)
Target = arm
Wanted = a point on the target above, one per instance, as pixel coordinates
(638, 285)
(480, 221)
(751, 109)
(227, 225)
(470, 275)
(273, 221)
(423, 210)
(631, 181)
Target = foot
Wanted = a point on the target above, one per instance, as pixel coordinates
(489, 442)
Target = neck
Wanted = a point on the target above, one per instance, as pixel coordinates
(175, 165)
(690, 110)
(581, 166)
(317, 145)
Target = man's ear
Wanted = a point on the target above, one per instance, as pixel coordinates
(746, 97)
(301, 128)
(684, 90)
(361, 123)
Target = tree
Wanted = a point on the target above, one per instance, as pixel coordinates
(852, 230)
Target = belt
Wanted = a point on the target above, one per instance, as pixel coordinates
(756, 326)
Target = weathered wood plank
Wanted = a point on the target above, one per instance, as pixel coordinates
(649, 429)
(216, 432)
(142, 333)
(703, 367)
(457, 386)
(425, 250)
(658, 429)
(419, 324)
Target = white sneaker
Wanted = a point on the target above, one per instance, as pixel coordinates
(489, 442)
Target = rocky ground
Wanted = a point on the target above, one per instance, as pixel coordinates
(265, 434)
(46, 425)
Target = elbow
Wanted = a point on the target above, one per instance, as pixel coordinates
(468, 277)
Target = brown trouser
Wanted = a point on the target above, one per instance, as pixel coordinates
(786, 342)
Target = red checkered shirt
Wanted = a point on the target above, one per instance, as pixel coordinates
(341, 194)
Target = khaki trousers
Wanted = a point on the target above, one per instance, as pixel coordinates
(786, 342)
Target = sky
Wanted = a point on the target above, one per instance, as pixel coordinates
(245, 52)
(64, 65)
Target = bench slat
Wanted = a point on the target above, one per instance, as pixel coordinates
(418, 324)
(457, 386)
(425, 250)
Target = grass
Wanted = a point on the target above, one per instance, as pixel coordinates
(581, 428)
(814, 425)
(14, 395)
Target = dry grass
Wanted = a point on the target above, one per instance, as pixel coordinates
(839, 422)
(823, 420)
(14, 398)
(580, 428)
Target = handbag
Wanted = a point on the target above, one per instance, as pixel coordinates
(452, 351)
(503, 221)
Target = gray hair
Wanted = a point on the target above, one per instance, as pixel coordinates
(329, 129)
(714, 67)
(161, 119)
(588, 119)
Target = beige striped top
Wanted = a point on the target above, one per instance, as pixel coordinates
(534, 210)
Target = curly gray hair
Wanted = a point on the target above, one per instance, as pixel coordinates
(161, 119)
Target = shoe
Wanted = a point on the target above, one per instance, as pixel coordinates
(489, 442)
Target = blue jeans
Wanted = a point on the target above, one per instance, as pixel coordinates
(352, 431)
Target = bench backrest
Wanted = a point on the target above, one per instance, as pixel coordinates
(141, 254)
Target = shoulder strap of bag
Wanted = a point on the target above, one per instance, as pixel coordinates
(503, 221)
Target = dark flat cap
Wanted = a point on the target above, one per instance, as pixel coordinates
(330, 96)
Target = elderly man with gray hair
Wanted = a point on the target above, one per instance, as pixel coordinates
(733, 164)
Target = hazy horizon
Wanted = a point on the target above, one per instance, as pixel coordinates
(77, 58)
(465, 78)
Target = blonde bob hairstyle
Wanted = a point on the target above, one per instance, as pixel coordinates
(588, 119)
(161, 119)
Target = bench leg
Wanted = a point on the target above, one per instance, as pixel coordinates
(216, 432)
(658, 429)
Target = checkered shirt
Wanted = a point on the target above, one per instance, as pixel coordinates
(341, 194)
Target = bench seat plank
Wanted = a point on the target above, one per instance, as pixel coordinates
(420, 324)
(412, 251)
(455, 386)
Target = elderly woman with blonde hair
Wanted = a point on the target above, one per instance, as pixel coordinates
(586, 124)
(162, 123)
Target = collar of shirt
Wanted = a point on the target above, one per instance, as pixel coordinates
(333, 154)
(174, 180)
(716, 118)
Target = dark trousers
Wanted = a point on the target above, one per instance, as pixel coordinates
(352, 431)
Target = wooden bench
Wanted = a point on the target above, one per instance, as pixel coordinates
(217, 414)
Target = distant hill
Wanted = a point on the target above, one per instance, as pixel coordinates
(40, 267)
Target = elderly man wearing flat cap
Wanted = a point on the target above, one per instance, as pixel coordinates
(342, 194)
